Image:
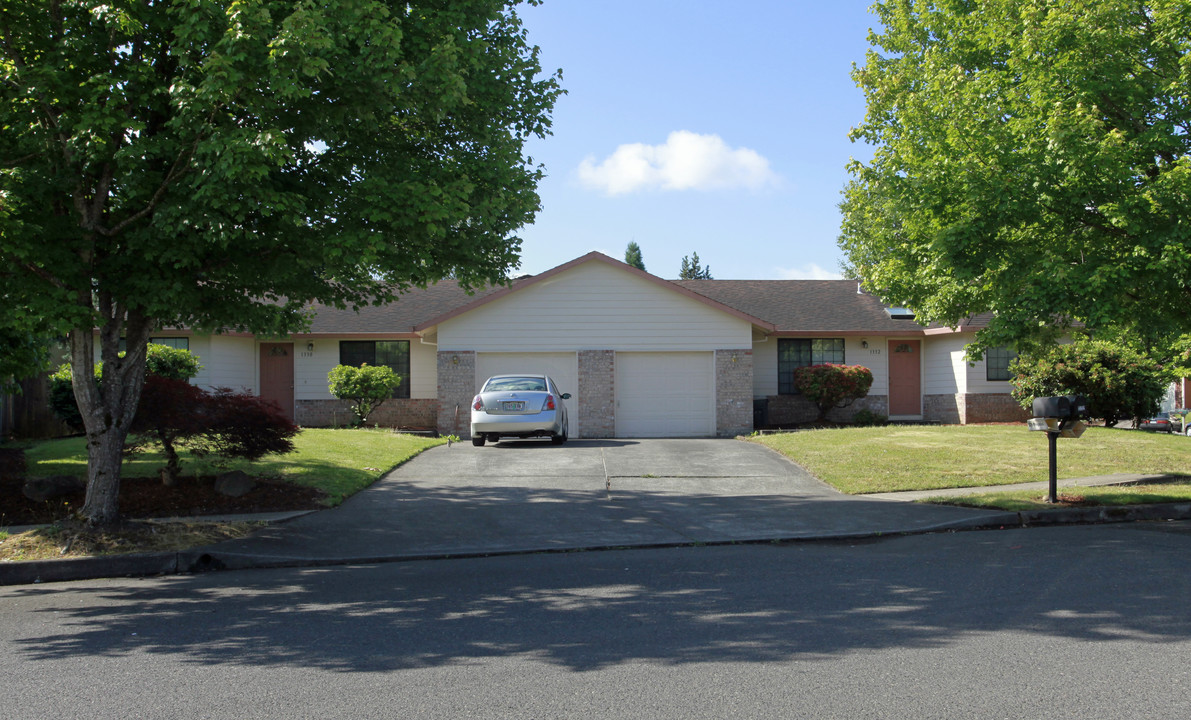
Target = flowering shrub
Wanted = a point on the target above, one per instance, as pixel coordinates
(830, 386)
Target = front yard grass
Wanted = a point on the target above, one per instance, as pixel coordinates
(338, 462)
(925, 457)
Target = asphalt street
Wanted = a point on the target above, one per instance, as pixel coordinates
(1065, 622)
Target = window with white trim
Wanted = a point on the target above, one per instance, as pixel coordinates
(996, 363)
(793, 353)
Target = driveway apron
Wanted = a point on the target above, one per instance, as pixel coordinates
(520, 496)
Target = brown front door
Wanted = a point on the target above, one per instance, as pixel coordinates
(277, 375)
(905, 379)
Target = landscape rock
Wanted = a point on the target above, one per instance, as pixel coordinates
(40, 489)
(234, 484)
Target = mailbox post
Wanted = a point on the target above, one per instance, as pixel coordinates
(1059, 417)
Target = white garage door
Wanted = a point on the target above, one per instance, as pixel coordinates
(665, 394)
(563, 367)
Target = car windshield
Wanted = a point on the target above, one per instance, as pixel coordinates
(524, 384)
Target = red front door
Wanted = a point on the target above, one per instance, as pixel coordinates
(905, 378)
(277, 375)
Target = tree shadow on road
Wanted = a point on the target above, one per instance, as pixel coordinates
(753, 604)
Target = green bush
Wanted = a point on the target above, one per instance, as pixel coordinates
(160, 360)
(830, 386)
(1117, 381)
(62, 400)
(173, 363)
(365, 388)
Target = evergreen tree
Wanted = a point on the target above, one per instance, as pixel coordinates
(691, 270)
(632, 256)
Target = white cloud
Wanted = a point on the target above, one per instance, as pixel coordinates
(687, 161)
(808, 272)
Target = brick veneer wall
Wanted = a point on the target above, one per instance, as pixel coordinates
(396, 413)
(966, 408)
(456, 388)
(733, 392)
(597, 393)
(785, 410)
(946, 409)
(979, 408)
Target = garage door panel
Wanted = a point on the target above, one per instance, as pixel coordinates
(562, 367)
(665, 395)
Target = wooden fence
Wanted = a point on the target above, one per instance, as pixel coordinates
(27, 414)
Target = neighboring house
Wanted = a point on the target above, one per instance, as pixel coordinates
(640, 356)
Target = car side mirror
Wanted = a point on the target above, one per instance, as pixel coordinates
(565, 396)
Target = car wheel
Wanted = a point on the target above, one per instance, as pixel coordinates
(477, 440)
(559, 439)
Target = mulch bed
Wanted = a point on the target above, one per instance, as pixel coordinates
(149, 498)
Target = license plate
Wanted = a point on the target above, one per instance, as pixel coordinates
(513, 405)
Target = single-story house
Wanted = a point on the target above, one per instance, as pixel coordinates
(641, 356)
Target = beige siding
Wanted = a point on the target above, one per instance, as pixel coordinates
(945, 370)
(593, 306)
(765, 367)
(228, 361)
(873, 357)
(311, 368)
(423, 370)
(200, 347)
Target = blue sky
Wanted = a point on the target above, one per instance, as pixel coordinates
(693, 126)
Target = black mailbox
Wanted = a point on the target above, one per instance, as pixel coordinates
(1063, 407)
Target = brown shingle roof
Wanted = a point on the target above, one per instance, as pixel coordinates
(410, 310)
(805, 306)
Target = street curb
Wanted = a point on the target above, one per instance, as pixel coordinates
(89, 568)
(199, 560)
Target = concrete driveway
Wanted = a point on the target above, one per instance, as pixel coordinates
(520, 496)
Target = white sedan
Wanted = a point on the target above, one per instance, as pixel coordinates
(523, 406)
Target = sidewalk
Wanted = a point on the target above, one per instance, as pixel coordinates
(1043, 486)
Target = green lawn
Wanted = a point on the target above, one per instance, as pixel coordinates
(339, 462)
(924, 457)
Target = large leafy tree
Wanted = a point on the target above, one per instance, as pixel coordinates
(219, 164)
(1032, 159)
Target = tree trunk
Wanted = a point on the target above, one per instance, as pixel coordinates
(108, 409)
(173, 465)
(104, 454)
